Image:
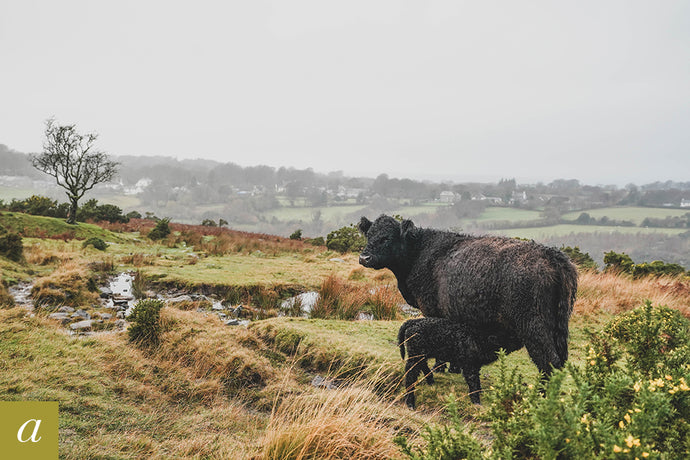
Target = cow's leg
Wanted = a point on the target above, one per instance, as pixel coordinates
(412, 371)
(541, 348)
(471, 374)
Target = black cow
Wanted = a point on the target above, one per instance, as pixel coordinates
(483, 281)
(465, 349)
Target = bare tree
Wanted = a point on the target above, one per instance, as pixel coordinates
(73, 161)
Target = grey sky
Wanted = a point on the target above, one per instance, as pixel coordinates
(538, 90)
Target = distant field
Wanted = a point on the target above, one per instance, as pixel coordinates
(307, 213)
(539, 233)
(122, 201)
(8, 193)
(510, 214)
(632, 213)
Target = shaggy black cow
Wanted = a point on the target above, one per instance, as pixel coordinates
(483, 281)
(455, 343)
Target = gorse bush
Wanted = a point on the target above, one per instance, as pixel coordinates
(11, 246)
(145, 325)
(624, 264)
(346, 239)
(630, 399)
(96, 243)
(161, 230)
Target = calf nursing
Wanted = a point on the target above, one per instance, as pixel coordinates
(517, 288)
(426, 338)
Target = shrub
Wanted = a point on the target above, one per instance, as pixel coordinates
(91, 210)
(208, 223)
(579, 258)
(656, 268)
(145, 325)
(346, 239)
(452, 442)
(296, 235)
(161, 230)
(96, 243)
(618, 262)
(11, 246)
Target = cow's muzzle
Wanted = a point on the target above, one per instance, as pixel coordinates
(365, 260)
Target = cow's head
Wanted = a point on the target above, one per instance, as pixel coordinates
(387, 242)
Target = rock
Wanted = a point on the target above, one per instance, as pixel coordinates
(120, 324)
(217, 307)
(337, 259)
(237, 311)
(232, 322)
(81, 314)
(66, 309)
(120, 314)
(181, 298)
(106, 316)
(81, 325)
(62, 317)
(105, 292)
(330, 384)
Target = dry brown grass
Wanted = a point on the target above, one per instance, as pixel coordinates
(69, 284)
(613, 293)
(340, 299)
(349, 423)
(38, 254)
(6, 299)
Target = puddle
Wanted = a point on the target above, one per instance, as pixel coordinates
(22, 295)
(304, 301)
(119, 293)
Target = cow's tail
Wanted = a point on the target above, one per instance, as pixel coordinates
(564, 308)
(401, 338)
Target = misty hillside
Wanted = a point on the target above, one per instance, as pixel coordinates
(649, 222)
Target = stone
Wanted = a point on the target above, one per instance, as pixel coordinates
(81, 325)
(66, 309)
(105, 292)
(232, 322)
(338, 260)
(106, 316)
(121, 324)
(62, 317)
(81, 314)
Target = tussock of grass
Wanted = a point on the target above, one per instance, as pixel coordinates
(6, 300)
(350, 423)
(70, 284)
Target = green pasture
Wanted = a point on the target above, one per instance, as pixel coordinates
(539, 233)
(10, 193)
(634, 214)
(509, 214)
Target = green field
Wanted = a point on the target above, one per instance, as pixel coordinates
(539, 233)
(509, 214)
(634, 214)
(9, 193)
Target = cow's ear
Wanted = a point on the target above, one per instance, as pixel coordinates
(407, 229)
(364, 225)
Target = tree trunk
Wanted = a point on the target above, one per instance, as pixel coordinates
(72, 213)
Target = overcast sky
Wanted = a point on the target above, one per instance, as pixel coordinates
(537, 90)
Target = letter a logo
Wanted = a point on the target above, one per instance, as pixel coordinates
(33, 437)
(29, 430)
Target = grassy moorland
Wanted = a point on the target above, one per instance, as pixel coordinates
(214, 391)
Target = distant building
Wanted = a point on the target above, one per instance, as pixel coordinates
(685, 203)
(448, 197)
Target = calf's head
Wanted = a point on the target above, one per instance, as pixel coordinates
(388, 242)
